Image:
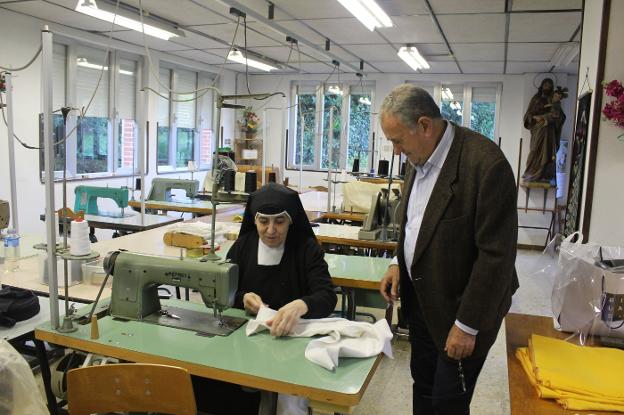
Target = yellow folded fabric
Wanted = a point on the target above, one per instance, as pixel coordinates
(578, 378)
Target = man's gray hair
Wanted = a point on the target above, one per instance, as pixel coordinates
(408, 103)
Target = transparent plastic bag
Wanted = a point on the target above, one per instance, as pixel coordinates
(588, 290)
(19, 394)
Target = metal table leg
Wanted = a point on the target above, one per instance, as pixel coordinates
(45, 375)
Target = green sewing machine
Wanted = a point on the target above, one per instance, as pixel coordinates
(136, 278)
(161, 188)
(87, 196)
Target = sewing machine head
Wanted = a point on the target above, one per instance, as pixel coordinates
(136, 278)
(86, 198)
(382, 204)
(161, 188)
(5, 214)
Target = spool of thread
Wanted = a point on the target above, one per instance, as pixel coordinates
(356, 166)
(229, 180)
(79, 241)
(272, 177)
(250, 181)
(382, 169)
(403, 165)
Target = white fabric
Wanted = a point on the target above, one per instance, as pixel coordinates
(269, 256)
(425, 179)
(357, 195)
(291, 405)
(344, 337)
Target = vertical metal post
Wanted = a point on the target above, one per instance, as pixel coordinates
(301, 154)
(9, 106)
(330, 143)
(48, 140)
(264, 138)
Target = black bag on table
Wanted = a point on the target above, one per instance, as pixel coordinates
(17, 304)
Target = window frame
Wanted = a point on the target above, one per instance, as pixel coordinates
(70, 94)
(320, 89)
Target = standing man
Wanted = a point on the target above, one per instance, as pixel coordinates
(457, 250)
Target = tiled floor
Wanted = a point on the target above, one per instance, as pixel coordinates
(390, 390)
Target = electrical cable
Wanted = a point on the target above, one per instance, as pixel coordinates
(30, 62)
(246, 53)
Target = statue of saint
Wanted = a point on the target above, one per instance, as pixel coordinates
(544, 118)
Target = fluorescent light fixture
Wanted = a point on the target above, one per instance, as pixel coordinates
(565, 54)
(368, 12)
(334, 90)
(413, 58)
(86, 64)
(365, 101)
(238, 57)
(458, 112)
(447, 95)
(107, 13)
(456, 105)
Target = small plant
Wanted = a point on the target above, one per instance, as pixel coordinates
(614, 110)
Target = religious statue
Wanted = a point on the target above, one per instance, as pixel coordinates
(544, 118)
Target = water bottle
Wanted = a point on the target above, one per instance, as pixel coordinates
(11, 251)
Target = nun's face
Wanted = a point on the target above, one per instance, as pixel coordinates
(272, 230)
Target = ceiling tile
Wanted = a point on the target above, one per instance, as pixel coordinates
(402, 7)
(200, 56)
(190, 14)
(523, 67)
(411, 29)
(543, 27)
(380, 52)
(136, 38)
(302, 32)
(546, 5)
(316, 67)
(482, 67)
(255, 37)
(348, 30)
(531, 51)
(479, 51)
(473, 28)
(401, 67)
(467, 6)
(317, 9)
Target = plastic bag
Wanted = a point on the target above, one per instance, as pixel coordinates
(588, 292)
(19, 394)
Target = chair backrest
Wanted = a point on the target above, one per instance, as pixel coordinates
(130, 387)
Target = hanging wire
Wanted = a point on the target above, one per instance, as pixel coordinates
(30, 62)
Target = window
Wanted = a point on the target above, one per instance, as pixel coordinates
(482, 113)
(331, 121)
(104, 84)
(184, 124)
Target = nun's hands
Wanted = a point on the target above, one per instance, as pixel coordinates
(252, 303)
(287, 318)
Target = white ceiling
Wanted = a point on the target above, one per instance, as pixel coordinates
(468, 36)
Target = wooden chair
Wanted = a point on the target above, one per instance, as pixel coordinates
(130, 387)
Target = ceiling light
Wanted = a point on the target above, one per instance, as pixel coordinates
(368, 12)
(107, 13)
(238, 57)
(447, 94)
(334, 90)
(365, 101)
(83, 62)
(458, 112)
(413, 58)
(565, 54)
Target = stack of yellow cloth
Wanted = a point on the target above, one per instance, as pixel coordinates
(577, 377)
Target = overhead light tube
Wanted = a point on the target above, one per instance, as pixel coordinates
(368, 12)
(413, 58)
(238, 57)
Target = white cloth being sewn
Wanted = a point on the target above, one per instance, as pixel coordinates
(344, 338)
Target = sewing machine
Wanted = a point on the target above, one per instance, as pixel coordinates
(373, 226)
(161, 188)
(87, 196)
(135, 290)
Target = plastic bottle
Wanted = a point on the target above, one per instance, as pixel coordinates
(11, 251)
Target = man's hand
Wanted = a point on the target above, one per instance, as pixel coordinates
(252, 303)
(459, 344)
(287, 318)
(389, 286)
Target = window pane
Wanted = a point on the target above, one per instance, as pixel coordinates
(205, 148)
(58, 134)
(92, 133)
(92, 152)
(307, 109)
(186, 81)
(483, 110)
(163, 146)
(331, 101)
(359, 130)
(452, 107)
(126, 144)
(126, 106)
(184, 146)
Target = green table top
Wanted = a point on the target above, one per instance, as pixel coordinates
(269, 363)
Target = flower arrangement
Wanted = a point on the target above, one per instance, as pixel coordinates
(250, 122)
(614, 110)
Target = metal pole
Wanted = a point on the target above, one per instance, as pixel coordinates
(9, 106)
(301, 154)
(330, 142)
(142, 139)
(264, 138)
(218, 101)
(48, 140)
